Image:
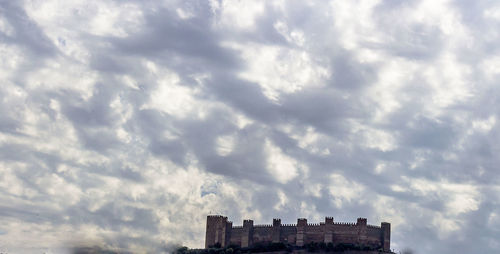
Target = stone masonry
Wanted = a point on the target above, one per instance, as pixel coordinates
(222, 231)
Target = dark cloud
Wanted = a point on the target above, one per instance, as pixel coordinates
(167, 36)
(26, 33)
(349, 74)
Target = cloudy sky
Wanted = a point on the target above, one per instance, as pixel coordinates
(124, 123)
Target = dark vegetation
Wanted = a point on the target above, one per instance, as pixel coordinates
(270, 247)
(95, 250)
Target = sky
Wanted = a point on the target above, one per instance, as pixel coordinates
(123, 124)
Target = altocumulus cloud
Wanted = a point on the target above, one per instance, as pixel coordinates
(124, 123)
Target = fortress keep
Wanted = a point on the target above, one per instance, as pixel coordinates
(222, 231)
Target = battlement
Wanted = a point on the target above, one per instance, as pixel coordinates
(217, 216)
(314, 224)
(220, 230)
(301, 222)
(344, 223)
(263, 226)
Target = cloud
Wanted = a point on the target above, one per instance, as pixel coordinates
(124, 125)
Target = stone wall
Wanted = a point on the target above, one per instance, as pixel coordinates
(220, 230)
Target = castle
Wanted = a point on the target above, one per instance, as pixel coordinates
(222, 231)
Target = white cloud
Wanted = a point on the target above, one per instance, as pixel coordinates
(312, 140)
(99, 18)
(344, 191)
(353, 31)
(175, 99)
(225, 145)
(450, 82)
(283, 167)
(238, 14)
(281, 70)
(5, 27)
(295, 36)
(60, 74)
(490, 67)
(462, 197)
(484, 126)
(283, 200)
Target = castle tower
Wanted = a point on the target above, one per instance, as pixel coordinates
(276, 230)
(212, 222)
(361, 226)
(385, 237)
(226, 235)
(328, 230)
(217, 231)
(301, 232)
(247, 234)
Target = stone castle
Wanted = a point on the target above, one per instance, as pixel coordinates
(222, 231)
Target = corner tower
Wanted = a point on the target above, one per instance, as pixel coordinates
(216, 230)
(385, 237)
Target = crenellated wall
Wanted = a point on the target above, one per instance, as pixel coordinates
(220, 230)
